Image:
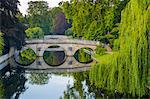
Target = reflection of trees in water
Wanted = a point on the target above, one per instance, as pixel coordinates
(38, 78)
(13, 84)
(54, 58)
(83, 57)
(84, 89)
(78, 83)
(81, 88)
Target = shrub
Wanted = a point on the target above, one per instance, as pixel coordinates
(69, 32)
(100, 50)
(35, 32)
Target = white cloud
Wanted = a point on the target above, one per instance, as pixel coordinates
(24, 4)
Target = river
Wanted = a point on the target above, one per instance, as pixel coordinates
(55, 76)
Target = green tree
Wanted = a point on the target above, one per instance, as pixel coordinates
(1, 43)
(23, 19)
(68, 32)
(40, 16)
(13, 85)
(35, 32)
(94, 20)
(128, 68)
(10, 25)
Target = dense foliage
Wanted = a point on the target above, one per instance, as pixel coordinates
(1, 43)
(128, 68)
(50, 20)
(39, 16)
(12, 85)
(34, 33)
(11, 27)
(94, 20)
(68, 32)
(100, 50)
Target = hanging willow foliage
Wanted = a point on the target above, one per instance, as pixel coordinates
(127, 70)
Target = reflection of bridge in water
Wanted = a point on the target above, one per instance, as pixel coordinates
(70, 64)
(79, 69)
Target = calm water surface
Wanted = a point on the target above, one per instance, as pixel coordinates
(39, 84)
(44, 84)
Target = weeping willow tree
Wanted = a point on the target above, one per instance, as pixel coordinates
(127, 70)
(1, 43)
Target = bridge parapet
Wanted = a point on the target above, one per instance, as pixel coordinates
(63, 41)
(56, 37)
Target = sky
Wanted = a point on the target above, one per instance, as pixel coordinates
(24, 4)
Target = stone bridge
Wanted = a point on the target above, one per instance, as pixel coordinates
(69, 45)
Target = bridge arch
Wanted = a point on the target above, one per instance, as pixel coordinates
(33, 47)
(39, 64)
(56, 45)
(69, 49)
(57, 52)
(82, 47)
(26, 60)
(84, 55)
